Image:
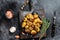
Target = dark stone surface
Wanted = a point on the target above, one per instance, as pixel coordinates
(5, 23)
(50, 6)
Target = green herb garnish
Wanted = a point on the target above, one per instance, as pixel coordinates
(45, 26)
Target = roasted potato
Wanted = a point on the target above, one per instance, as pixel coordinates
(23, 24)
(29, 23)
(35, 15)
(37, 29)
(38, 20)
(27, 30)
(25, 19)
(33, 32)
(31, 20)
(38, 25)
(32, 23)
(26, 27)
(30, 28)
(29, 16)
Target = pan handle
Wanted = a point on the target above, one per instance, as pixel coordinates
(42, 12)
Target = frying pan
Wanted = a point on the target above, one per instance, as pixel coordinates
(22, 15)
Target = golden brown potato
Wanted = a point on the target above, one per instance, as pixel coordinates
(32, 23)
(31, 20)
(35, 21)
(37, 29)
(25, 19)
(30, 28)
(26, 27)
(35, 15)
(33, 32)
(23, 24)
(29, 23)
(37, 25)
(39, 20)
(27, 30)
(29, 16)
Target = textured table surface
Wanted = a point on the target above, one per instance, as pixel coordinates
(49, 6)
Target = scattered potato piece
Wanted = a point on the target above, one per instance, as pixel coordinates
(17, 36)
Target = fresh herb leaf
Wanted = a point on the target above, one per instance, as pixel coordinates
(45, 26)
